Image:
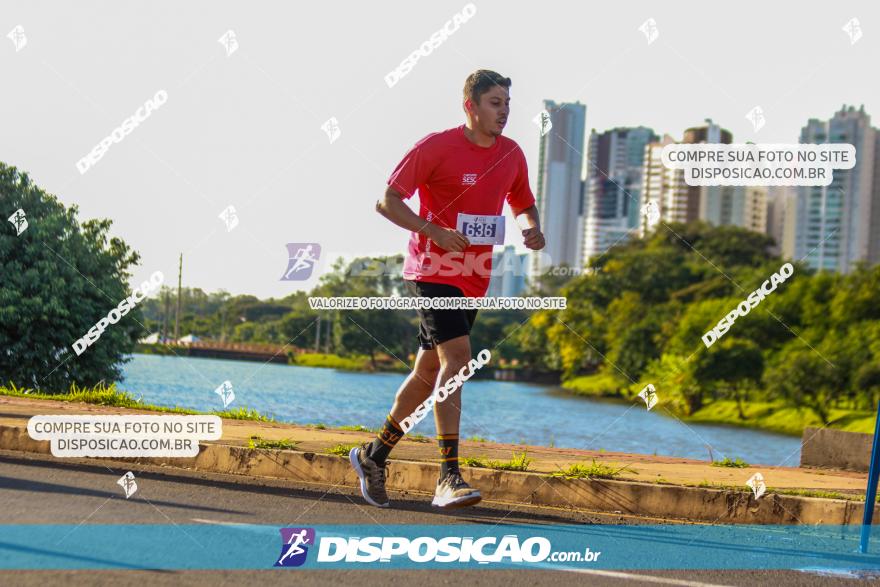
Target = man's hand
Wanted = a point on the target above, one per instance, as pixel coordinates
(533, 238)
(447, 239)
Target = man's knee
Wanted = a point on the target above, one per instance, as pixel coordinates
(427, 366)
(454, 354)
(427, 374)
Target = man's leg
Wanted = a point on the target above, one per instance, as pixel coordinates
(451, 491)
(453, 355)
(369, 460)
(413, 391)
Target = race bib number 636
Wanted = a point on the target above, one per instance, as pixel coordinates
(481, 230)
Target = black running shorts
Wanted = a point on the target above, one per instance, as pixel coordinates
(438, 326)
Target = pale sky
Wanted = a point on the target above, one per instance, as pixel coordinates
(245, 129)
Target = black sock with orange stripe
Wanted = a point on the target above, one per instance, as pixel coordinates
(448, 453)
(385, 440)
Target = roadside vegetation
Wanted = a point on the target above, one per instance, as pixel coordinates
(109, 395)
(592, 471)
(341, 450)
(282, 444)
(519, 462)
(738, 463)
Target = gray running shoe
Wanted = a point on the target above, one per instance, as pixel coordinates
(371, 474)
(452, 492)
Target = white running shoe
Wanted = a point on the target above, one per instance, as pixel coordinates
(452, 492)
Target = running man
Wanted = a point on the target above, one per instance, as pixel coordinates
(295, 548)
(463, 176)
(303, 258)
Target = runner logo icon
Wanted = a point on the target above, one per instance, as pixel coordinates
(303, 257)
(19, 221)
(295, 544)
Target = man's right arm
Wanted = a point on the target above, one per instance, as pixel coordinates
(392, 207)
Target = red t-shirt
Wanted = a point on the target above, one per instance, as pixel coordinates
(454, 175)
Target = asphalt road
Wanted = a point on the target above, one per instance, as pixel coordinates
(36, 489)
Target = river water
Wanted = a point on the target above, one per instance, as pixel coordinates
(496, 410)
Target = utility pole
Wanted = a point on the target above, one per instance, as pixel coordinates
(327, 337)
(165, 317)
(318, 334)
(223, 323)
(177, 317)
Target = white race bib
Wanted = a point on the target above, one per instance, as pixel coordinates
(481, 230)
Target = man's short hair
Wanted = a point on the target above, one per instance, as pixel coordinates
(481, 81)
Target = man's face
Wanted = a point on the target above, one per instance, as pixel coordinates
(490, 115)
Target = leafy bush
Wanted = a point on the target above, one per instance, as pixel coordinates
(60, 277)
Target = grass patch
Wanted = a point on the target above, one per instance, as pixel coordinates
(331, 361)
(319, 426)
(735, 464)
(592, 471)
(778, 417)
(341, 450)
(476, 438)
(595, 385)
(478, 462)
(109, 395)
(283, 444)
(717, 485)
(519, 462)
(419, 438)
(358, 428)
(817, 493)
(244, 414)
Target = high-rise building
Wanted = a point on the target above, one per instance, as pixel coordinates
(509, 271)
(744, 206)
(674, 199)
(717, 204)
(836, 225)
(560, 194)
(781, 201)
(755, 208)
(615, 166)
(663, 187)
(874, 227)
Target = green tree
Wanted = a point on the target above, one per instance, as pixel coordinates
(804, 379)
(60, 277)
(491, 332)
(733, 364)
(676, 384)
(867, 379)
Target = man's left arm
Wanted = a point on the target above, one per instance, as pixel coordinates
(522, 204)
(533, 238)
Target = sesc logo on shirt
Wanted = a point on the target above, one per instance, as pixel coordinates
(469, 179)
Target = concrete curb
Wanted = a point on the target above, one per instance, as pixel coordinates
(629, 497)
